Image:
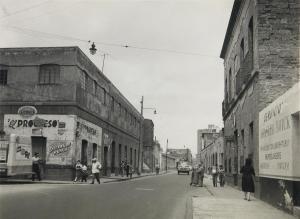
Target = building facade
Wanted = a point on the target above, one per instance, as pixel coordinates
(70, 109)
(261, 62)
(213, 153)
(168, 162)
(183, 154)
(206, 137)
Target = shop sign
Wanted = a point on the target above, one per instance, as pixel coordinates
(58, 148)
(27, 111)
(23, 152)
(29, 123)
(278, 128)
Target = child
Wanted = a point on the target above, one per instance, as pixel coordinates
(84, 173)
(78, 167)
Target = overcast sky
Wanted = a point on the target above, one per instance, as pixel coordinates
(186, 87)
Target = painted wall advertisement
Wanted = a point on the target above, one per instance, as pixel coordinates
(59, 131)
(279, 133)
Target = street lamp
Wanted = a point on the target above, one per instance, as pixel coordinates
(93, 51)
(140, 136)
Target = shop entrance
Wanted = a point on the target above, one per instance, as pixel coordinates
(84, 146)
(105, 161)
(39, 146)
(113, 153)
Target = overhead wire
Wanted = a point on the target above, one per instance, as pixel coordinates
(126, 46)
(23, 10)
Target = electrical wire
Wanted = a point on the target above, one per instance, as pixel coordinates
(24, 9)
(126, 46)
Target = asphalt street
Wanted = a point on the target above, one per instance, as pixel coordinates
(164, 196)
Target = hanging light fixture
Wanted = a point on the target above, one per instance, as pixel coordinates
(93, 49)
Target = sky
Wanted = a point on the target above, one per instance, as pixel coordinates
(172, 58)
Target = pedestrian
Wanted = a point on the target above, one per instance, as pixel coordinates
(84, 173)
(201, 175)
(78, 167)
(127, 169)
(247, 179)
(195, 176)
(36, 160)
(130, 171)
(122, 167)
(157, 169)
(96, 167)
(222, 176)
(214, 172)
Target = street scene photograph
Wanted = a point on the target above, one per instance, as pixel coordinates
(150, 109)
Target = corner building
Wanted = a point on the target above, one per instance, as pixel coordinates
(71, 111)
(261, 63)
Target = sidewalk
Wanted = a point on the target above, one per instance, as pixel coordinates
(227, 202)
(103, 179)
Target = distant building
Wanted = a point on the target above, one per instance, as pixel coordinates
(167, 161)
(183, 154)
(157, 150)
(206, 137)
(261, 69)
(213, 153)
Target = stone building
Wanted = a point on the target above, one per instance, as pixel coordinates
(167, 162)
(206, 137)
(261, 62)
(71, 110)
(182, 154)
(212, 154)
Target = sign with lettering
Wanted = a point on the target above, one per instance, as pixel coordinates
(27, 111)
(279, 137)
(59, 148)
(23, 152)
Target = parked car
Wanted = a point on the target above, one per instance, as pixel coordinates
(183, 169)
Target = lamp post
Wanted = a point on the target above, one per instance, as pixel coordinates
(167, 156)
(140, 162)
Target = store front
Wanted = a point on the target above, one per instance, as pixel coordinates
(59, 139)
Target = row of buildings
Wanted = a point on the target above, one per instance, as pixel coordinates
(261, 106)
(71, 111)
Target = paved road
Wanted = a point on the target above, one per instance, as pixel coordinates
(164, 196)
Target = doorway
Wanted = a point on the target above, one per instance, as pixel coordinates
(113, 153)
(84, 146)
(105, 161)
(39, 146)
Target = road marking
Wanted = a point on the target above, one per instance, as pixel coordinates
(144, 189)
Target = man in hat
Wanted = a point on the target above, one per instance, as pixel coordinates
(96, 167)
(36, 166)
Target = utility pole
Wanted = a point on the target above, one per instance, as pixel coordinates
(167, 157)
(140, 162)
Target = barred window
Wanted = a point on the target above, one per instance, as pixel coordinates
(104, 96)
(82, 80)
(3, 74)
(49, 74)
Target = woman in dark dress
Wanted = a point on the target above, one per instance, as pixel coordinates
(247, 178)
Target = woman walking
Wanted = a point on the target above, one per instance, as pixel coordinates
(247, 178)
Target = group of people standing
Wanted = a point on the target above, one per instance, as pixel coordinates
(247, 172)
(197, 176)
(126, 168)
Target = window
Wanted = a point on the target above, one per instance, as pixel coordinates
(120, 109)
(95, 85)
(104, 96)
(230, 85)
(250, 35)
(82, 80)
(250, 137)
(229, 165)
(242, 52)
(3, 74)
(49, 74)
(112, 104)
